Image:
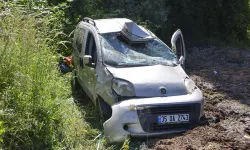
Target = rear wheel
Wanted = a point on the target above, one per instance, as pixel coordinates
(77, 91)
(74, 82)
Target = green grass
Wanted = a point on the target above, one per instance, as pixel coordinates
(36, 106)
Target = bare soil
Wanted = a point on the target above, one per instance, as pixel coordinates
(223, 74)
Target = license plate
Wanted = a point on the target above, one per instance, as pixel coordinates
(168, 119)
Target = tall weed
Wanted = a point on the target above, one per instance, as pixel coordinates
(36, 111)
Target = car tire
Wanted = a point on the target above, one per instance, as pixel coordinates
(74, 82)
(78, 91)
(103, 109)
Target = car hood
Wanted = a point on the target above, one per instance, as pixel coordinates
(148, 80)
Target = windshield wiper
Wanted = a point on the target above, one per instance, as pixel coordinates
(131, 65)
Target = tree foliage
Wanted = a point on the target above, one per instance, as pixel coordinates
(221, 19)
(224, 20)
(218, 19)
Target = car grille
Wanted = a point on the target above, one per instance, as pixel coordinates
(149, 114)
(170, 109)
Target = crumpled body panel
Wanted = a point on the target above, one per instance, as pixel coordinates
(148, 80)
(125, 120)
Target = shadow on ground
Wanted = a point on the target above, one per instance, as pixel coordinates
(91, 115)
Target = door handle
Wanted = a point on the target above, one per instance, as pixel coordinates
(81, 62)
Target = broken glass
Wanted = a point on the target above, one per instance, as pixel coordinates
(117, 52)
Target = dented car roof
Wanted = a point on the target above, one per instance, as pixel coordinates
(119, 24)
(110, 25)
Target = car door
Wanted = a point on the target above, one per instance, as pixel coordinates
(78, 50)
(89, 76)
(178, 46)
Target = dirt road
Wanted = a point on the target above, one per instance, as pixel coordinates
(224, 77)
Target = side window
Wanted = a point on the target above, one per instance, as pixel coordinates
(76, 34)
(79, 38)
(91, 47)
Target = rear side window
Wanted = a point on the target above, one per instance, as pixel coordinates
(79, 37)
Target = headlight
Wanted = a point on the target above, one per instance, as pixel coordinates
(123, 88)
(190, 85)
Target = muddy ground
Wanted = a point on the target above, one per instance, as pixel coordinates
(223, 74)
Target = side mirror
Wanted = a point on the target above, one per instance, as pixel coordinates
(178, 47)
(87, 59)
(181, 60)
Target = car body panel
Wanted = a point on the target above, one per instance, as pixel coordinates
(103, 85)
(148, 80)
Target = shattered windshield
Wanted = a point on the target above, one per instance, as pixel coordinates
(119, 53)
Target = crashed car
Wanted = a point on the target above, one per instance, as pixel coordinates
(135, 80)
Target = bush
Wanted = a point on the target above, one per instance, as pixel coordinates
(35, 105)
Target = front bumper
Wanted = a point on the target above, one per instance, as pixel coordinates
(135, 117)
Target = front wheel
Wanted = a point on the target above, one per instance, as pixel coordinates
(103, 109)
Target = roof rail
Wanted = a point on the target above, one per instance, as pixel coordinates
(88, 20)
